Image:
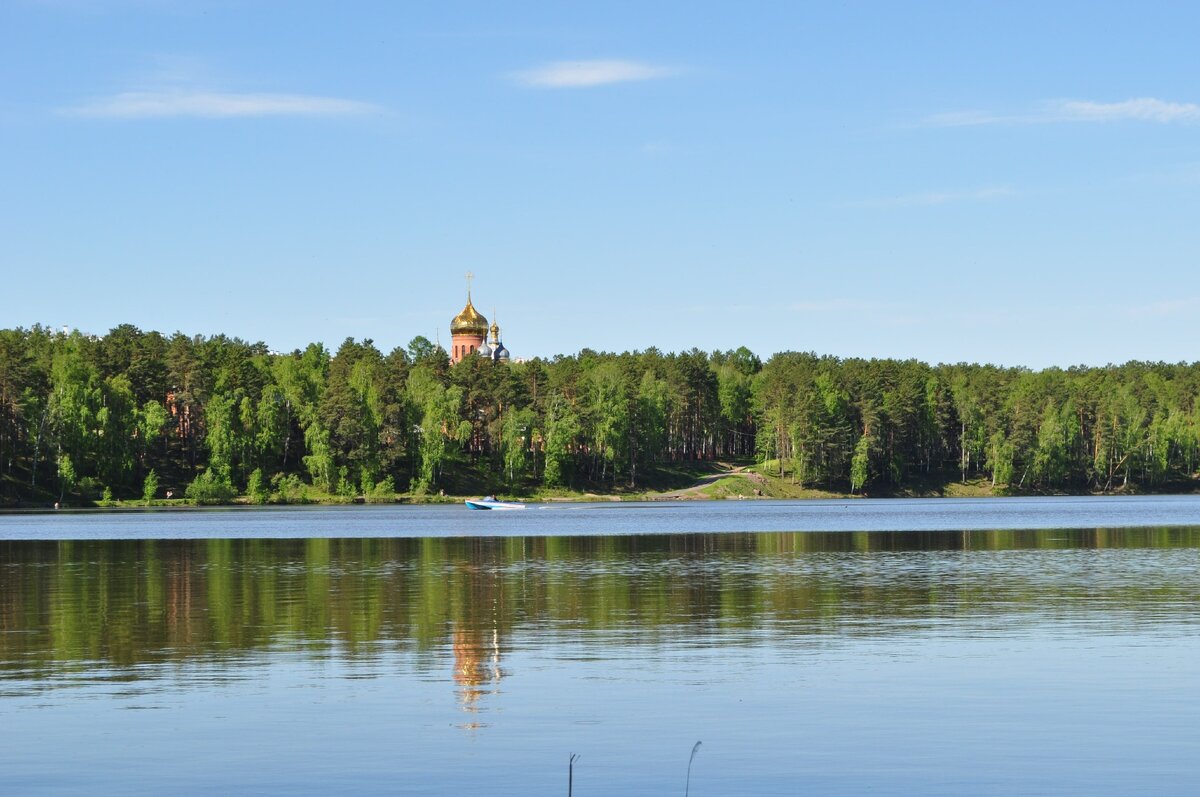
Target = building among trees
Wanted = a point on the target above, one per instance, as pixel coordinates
(469, 335)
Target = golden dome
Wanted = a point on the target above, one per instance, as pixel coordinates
(469, 321)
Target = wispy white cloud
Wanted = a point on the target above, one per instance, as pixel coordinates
(1165, 307)
(1145, 109)
(215, 105)
(931, 198)
(1140, 109)
(585, 74)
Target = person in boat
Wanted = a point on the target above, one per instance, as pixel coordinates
(491, 498)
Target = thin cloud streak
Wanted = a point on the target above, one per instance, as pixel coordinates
(216, 105)
(1166, 307)
(1140, 109)
(1144, 109)
(587, 74)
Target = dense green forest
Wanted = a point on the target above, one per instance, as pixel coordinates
(133, 414)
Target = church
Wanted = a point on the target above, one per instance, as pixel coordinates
(469, 336)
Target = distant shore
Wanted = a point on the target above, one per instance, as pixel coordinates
(725, 483)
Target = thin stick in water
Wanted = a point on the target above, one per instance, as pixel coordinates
(688, 786)
(571, 773)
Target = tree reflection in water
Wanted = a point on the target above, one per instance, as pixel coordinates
(66, 606)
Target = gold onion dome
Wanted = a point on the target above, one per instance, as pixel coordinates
(469, 321)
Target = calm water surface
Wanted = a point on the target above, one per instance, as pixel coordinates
(560, 520)
(277, 652)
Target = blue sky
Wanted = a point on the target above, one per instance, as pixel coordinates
(1004, 182)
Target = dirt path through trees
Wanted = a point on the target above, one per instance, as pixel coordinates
(697, 490)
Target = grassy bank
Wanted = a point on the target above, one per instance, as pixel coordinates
(684, 481)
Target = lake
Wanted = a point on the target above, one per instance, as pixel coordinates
(943, 647)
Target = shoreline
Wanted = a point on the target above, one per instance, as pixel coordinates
(715, 481)
(699, 494)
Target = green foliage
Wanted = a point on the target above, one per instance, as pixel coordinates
(256, 488)
(149, 487)
(420, 348)
(320, 461)
(436, 407)
(648, 432)
(210, 487)
(106, 497)
(150, 421)
(515, 440)
(860, 464)
(66, 476)
(1000, 459)
(345, 487)
(78, 413)
(562, 427)
(290, 489)
(382, 493)
(608, 414)
(354, 411)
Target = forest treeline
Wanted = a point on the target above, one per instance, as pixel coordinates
(134, 414)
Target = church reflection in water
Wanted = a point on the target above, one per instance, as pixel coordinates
(453, 608)
(477, 669)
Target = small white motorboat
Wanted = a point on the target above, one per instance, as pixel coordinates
(491, 503)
